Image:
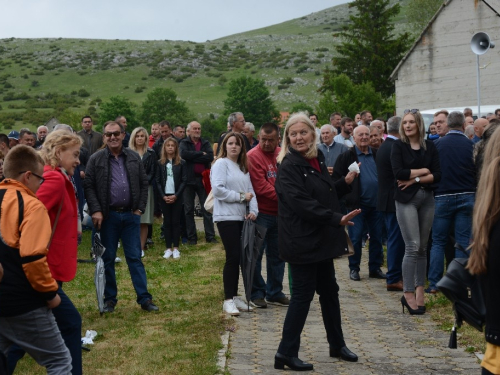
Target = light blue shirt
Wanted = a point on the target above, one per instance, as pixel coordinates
(349, 142)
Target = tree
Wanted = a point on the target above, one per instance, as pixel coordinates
(119, 106)
(162, 104)
(348, 98)
(251, 97)
(420, 12)
(369, 50)
(301, 107)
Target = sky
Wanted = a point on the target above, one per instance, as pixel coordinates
(195, 20)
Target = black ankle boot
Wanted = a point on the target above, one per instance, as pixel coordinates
(294, 363)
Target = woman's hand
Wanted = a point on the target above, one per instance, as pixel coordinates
(251, 216)
(404, 184)
(346, 219)
(248, 197)
(350, 177)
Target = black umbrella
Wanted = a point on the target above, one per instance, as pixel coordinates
(252, 237)
(99, 279)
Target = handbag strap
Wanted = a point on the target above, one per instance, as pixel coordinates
(55, 222)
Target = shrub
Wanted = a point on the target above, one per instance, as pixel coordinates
(82, 93)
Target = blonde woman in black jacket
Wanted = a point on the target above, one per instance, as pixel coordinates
(170, 183)
(311, 232)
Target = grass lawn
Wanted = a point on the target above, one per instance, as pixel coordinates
(182, 338)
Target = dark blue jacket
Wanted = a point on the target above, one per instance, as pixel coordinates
(458, 172)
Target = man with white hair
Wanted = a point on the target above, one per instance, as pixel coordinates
(236, 121)
(41, 133)
(329, 147)
(363, 196)
(249, 131)
(469, 131)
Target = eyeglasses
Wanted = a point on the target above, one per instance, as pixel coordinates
(116, 134)
(34, 174)
(412, 111)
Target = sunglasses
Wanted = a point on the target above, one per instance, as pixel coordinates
(34, 174)
(116, 134)
(412, 111)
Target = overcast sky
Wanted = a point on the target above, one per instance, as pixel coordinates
(195, 20)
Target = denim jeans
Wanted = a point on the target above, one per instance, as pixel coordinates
(415, 222)
(124, 226)
(208, 223)
(273, 289)
(456, 207)
(376, 254)
(395, 248)
(306, 279)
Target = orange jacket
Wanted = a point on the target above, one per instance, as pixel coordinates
(27, 282)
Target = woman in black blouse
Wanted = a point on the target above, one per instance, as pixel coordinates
(415, 164)
(485, 255)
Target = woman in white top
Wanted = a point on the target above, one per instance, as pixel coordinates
(232, 191)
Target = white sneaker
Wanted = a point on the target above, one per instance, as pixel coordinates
(230, 308)
(168, 254)
(118, 260)
(177, 254)
(241, 305)
(142, 253)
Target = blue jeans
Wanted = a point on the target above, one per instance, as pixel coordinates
(376, 254)
(273, 289)
(395, 248)
(124, 225)
(456, 207)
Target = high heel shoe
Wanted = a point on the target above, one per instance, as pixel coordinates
(421, 308)
(404, 303)
(294, 363)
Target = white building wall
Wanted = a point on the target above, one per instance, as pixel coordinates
(440, 72)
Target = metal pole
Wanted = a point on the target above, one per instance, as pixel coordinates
(478, 89)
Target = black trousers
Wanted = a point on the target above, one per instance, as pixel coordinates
(171, 222)
(306, 279)
(230, 234)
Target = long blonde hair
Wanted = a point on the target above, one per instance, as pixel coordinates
(487, 205)
(132, 144)
(419, 120)
(164, 157)
(295, 119)
(58, 140)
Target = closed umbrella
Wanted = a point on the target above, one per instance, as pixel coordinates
(100, 281)
(252, 237)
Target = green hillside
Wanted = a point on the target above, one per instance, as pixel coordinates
(290, 57)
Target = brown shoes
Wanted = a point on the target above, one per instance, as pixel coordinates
(396, 287)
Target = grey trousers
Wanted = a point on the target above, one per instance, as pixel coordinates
(415, 221)
(36, 332)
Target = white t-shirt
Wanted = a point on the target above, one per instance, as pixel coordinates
(170, 184)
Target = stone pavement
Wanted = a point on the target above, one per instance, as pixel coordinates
(386, 341)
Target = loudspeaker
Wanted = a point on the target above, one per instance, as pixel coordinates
(481, 43)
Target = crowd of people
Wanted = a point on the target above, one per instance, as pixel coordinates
(426, 195)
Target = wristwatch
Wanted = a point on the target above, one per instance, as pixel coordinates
(417, 179)
(141, 211)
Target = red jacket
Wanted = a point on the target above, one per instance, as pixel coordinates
(152, 141)
(63, 249)
(263, 171)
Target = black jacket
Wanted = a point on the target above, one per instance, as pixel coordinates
(180, 178)
(341, 169)
(403, 159)
(157, 147)
(149, 161)
(97, 181)
(386, 180)
(489, 284)
(191, 156)
(309, 211)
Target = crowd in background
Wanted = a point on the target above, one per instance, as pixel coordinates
(391, 183)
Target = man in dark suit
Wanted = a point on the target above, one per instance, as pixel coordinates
(385, 204)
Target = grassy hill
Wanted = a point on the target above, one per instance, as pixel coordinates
(289, 56)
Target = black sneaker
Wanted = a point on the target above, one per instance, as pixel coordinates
(149, 306)
(109, 306)
(212, 240)
(149, 241)
(259, 303)
(283, 301)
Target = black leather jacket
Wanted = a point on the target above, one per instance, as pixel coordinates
(97, 181)
(179, 172)
(191, 156)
